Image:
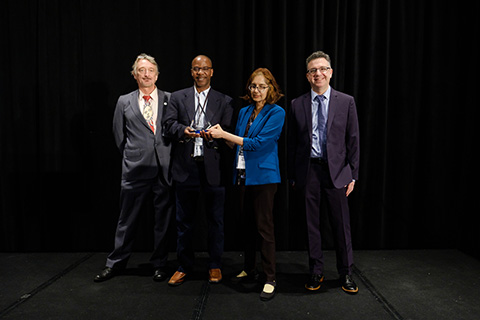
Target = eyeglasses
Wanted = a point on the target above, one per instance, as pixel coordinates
(321, 69)
(198, 69)
(252, 87)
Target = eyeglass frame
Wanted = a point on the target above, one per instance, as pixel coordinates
(198, 69)
(322, 69)
(252, 88)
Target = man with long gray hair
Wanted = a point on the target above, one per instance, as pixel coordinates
(145, 168)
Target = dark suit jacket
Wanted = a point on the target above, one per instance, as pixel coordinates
(343, 140)
(179, 115)
(136, 141)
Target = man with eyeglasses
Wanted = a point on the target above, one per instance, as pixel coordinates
(145, 168)
(196, 166)
(323, 156)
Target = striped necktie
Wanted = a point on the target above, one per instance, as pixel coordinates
(322, 125)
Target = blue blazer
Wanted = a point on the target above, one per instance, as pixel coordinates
(260, 147)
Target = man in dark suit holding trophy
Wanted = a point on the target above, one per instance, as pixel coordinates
(196, 166)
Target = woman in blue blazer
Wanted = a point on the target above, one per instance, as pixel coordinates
(257, 171)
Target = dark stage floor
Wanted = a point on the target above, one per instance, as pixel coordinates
(432, 284)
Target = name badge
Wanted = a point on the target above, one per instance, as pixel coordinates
(241, 161)
(198, 147)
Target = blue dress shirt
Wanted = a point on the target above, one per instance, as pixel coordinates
(319, 135)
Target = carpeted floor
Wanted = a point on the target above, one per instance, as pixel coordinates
(419, 284)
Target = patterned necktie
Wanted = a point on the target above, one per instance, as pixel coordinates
(322, 128)
(148, 112)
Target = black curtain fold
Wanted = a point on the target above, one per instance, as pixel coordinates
(412, 67)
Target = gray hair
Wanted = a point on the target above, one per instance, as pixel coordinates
(317, 55)
(143, 56)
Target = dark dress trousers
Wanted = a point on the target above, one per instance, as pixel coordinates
(145, 171)
(262, 169)
(318, 180)
(195, 178)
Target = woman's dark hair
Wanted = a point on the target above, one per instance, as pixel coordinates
(273, 95)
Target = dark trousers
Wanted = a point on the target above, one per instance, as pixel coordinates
(257, 207)
(132, 197)
(319, 187)
(187, 196)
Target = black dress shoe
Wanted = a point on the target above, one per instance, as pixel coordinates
(159, 275)
(348, 285)
(105, 275)
(314, 282)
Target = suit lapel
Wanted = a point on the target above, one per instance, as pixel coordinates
(160, 108)
(243, 120)
(189, 104)
(332, 109)
(258, 120)
(307, 111)
(212, 106)
(136, 108)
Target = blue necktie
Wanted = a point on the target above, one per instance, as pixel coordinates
(322, 125)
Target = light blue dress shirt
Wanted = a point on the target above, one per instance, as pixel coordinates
(319, 135)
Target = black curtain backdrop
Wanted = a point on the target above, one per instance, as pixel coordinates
(412, 67)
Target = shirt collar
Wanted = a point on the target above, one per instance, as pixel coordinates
(326, 94)
(154, 94)
(204, 92)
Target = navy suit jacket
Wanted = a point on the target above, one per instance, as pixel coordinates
(179, 115)
(343, 139)
(260, 147)
(137, 143)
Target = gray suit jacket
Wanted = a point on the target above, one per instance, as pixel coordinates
(137, 143)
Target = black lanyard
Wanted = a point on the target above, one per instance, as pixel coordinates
(202, 108)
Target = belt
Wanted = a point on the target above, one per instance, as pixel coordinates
(320, 161)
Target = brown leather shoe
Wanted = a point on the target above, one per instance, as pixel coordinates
(215, 275)
(177, 279)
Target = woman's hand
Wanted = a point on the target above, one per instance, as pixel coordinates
(216, 131)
